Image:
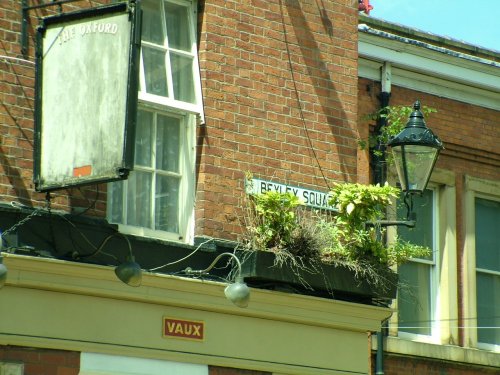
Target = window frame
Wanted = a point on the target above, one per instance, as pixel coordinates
(485, 189)
(144, 96)
(444, 328)
(192, 115)
(433, 276)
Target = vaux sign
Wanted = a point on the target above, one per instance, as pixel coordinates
(310, 198)
(183, 329)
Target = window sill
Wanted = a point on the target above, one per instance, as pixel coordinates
(150, 233)
(442, 352)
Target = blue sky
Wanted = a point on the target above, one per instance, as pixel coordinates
(472, 21)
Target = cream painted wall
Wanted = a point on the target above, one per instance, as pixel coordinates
(104, 364)
(54, 304)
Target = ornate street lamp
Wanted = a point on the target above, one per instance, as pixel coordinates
(415, 151)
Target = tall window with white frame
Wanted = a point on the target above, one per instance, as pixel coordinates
(157, 200)
(487, 214)
(418, 279)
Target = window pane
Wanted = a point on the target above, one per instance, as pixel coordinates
(166, 205)
(178, 27)
(488, 257)
(422, 234)
(414, 303)
(167, 143)
(152, 30)
(115, 192)
(143, 139)
(415, 308)
(155, 71)
(488, 308)
(139, 199)
(487, 229)
(182, 78)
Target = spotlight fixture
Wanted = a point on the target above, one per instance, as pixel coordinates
(237, 292)
(129, 271)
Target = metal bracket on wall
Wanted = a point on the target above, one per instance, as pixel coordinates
(25, 9)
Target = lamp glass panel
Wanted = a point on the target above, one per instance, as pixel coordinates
(418, 162)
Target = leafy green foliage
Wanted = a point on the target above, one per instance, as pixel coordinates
(279, 222)
(275, 219)
(396, 119)
(351, 237)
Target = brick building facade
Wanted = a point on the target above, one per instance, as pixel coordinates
(277, 89)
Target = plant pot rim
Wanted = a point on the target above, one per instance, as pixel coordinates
(337, 281)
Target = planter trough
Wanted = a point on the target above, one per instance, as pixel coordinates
(318, 279)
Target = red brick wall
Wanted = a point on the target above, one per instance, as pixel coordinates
(254, 121)
(42, 361)
(470, 135)
(396, 365)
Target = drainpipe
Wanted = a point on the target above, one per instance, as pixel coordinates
(380, 177)
(379, 356)
(378, 157)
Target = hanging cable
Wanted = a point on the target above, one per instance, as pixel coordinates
(296, 91)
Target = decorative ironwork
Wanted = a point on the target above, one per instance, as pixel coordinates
(416, 132)
(25, 9)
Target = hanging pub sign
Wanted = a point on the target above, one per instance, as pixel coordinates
(86, 96)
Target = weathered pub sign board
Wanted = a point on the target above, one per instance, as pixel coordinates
(86, 96)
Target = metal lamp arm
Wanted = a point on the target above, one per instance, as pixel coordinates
(410, 221)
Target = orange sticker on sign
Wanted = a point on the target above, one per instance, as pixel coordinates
(183, 329)
(85, 170)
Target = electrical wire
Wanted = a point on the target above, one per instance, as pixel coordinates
(17, 59)
(184, 258)
(6, 107)
(91, 204)
(17, 77)
(459, 327)
(296, 91)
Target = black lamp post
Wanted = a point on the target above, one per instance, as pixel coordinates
(415, 151)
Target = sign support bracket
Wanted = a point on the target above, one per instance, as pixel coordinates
(25, 9)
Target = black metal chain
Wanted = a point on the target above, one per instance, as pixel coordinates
(35, 212)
